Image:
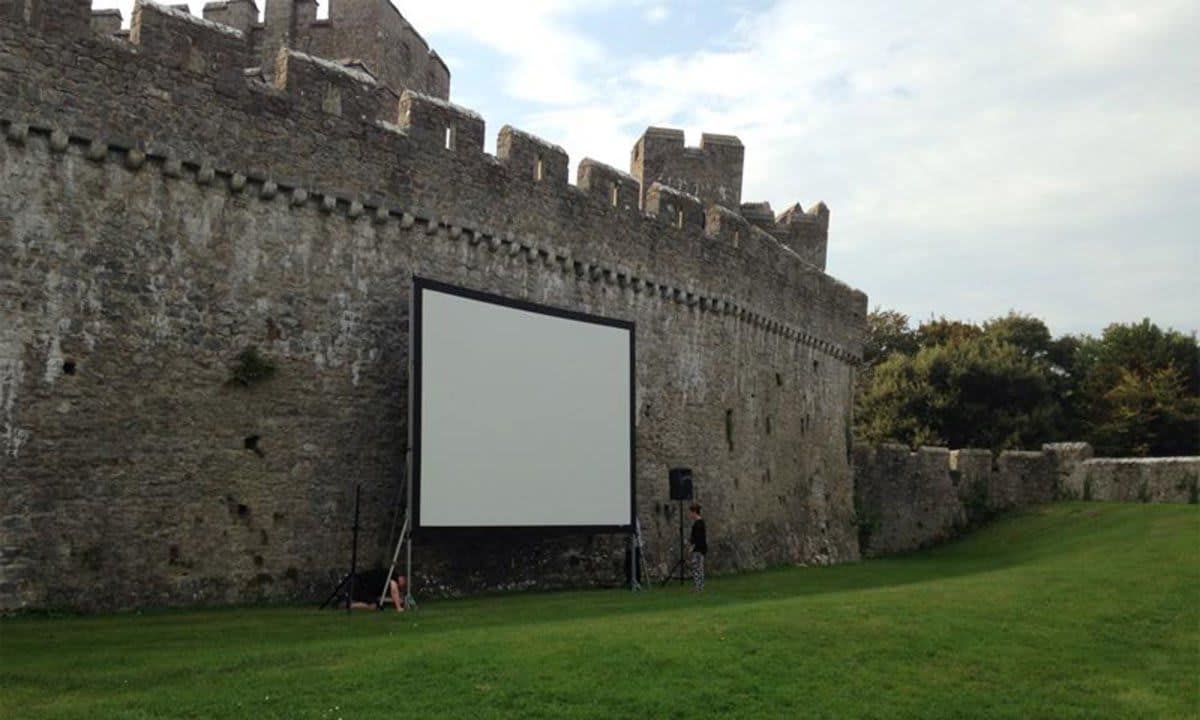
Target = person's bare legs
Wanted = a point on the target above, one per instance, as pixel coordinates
(397, 600)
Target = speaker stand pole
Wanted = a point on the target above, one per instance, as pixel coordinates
(681, 559)
(679, 564)
(354, 549)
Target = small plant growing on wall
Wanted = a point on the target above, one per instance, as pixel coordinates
(251, 368)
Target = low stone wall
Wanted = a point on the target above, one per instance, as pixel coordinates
(904, 500)
(907, 500)
(1156, 480)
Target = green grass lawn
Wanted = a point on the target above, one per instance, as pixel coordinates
(1069, 611)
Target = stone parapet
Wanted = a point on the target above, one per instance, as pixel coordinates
(906, 500)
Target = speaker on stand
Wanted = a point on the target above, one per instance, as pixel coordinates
(681, 489)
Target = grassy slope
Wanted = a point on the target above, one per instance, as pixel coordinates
(1070, 611)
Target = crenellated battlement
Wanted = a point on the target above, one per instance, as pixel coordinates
(804, 233)
(106, 22)
(438, 122)
(70, 18)
(759, 214)
(182, 40)
(610, 185)
(240, 14)
(370, 32)
(531, 158)
(332, 88)
(676, 208)
(711, 172)
(229, 37)
(301, 88)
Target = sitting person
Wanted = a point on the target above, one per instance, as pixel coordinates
(398, 589)
(368, 588)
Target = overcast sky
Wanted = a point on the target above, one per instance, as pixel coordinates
(977, 157)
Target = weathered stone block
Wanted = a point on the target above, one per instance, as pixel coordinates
(532, 159)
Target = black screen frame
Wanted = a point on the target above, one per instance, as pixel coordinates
(416, 317)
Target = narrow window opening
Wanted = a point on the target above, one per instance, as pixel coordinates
(679, 219)
(539, 170)
(449, 138)
(615, 195)
(729, 429)
(737, 238)
(251, 444)
(768, 424)
(68, 367)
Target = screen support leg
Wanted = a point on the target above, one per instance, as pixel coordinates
(405, 536)
(410, 602)
(637, 561)
(395, 559)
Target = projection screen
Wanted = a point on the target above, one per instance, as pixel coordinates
(522, 415)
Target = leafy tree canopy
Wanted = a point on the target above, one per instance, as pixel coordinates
(1008, 383)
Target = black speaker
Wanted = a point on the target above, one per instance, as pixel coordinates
(681, 483)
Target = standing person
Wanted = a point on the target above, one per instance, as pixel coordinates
(699, 546)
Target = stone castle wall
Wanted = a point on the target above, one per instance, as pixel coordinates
(1169, 480)
(908, 500)
(162, 210)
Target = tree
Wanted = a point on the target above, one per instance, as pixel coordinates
(1138, 391)
(972, 391)
(887, 332)
(1009, 384)
(1027, 333)
(1149, 414)
(944, 331)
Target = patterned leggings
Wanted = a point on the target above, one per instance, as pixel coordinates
(698, 570)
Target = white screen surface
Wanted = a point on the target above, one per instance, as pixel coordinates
(525, 417)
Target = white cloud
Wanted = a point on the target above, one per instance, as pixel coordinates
(548, 56)
(655, 14)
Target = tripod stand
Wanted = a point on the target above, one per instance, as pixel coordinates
(679, 564)
(349, 579)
